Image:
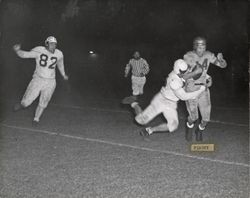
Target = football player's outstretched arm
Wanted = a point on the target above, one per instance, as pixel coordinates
(220, 61)
(24, 54)
(60, 66)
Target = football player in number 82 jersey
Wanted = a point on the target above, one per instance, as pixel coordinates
(43, 83)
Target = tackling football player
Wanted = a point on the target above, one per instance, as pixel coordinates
(165, 101)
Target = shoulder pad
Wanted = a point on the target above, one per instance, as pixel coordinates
(38, 49)
(59, 52)
(176, 84)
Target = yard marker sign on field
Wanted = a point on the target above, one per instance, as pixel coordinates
(202, 147)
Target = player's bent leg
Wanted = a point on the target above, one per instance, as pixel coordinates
(205, 106)
(150, 130)
(45, 97)
(147, 115)
(160, 128)
(129, 100)
(205, 110)
(141, 119)
(18, 107)
(192, 108)
(32, 92)
(171, 115)
(38, 113)
(136, 107)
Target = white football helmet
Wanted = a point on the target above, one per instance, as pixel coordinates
(50, 39)
(180, 66)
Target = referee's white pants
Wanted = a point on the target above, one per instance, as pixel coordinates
(138, 85)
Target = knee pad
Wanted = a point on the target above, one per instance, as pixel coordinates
(140, 119)
(43, 105)
(173, 126)
(25, 103)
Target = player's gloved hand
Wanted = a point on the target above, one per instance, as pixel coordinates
(16, 47)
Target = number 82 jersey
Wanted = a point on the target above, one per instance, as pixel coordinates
(46, 61)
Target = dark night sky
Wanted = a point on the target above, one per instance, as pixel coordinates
(159, 28)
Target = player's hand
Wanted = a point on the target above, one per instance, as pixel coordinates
(126, 75)
(65, 77)
(203, 88)
(16, 47)
(220, 57)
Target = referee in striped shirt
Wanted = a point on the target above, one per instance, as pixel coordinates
(139, 69)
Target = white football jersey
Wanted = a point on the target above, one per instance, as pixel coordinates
(192, 59)
(46, 61)
(173, 83)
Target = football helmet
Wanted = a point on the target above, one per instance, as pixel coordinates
(199, 41)
(180, 66)
(50, 39)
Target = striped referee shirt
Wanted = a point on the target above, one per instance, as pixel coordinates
(139, 67)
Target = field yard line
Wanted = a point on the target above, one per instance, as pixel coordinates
(126, 112)
(127, 146)
(121, 111)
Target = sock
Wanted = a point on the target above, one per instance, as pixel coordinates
(149, 130)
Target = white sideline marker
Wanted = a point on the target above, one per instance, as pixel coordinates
(128, 146)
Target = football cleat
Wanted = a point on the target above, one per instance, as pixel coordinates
(129, 100)
(17, 107)
(198, 133)
(35, 123)
(144, 132)
(189, 131)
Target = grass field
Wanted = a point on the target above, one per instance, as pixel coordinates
(92, 148)
(87, 145)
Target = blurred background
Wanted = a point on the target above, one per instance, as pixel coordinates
(162, 30)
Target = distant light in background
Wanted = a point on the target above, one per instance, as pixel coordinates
(92, 54)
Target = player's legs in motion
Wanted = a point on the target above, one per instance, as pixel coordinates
(31, 93)
(204, 104)
(158, 105)
(192, 108)
(171, 116)
(46, 94)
